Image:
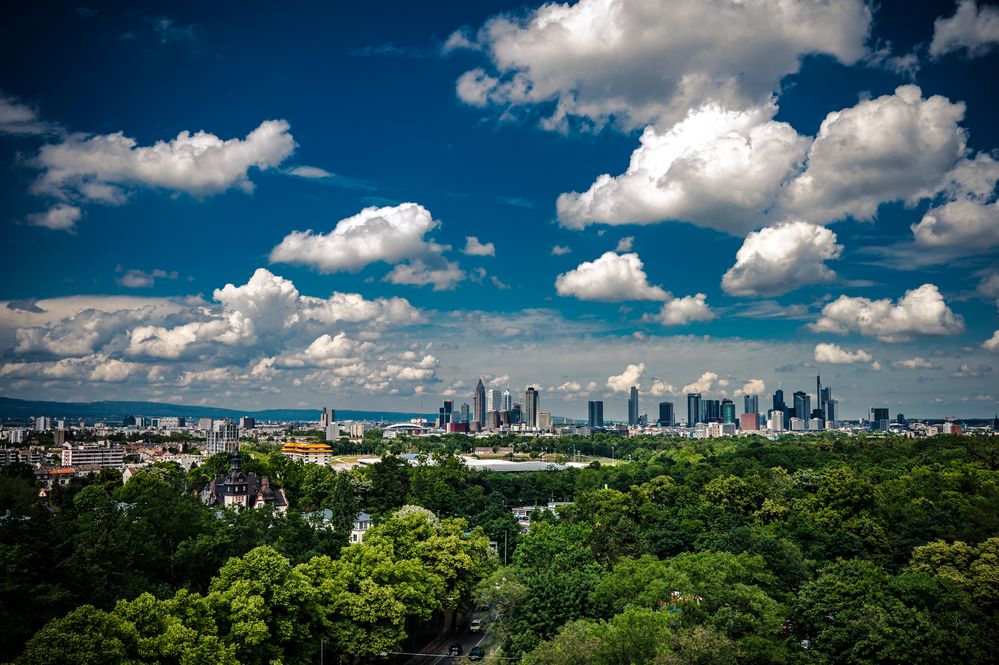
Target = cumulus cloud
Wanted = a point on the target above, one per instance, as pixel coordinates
(631, 376)
(704, 384)
(836, 355)
(964, 224)
(717, 168)
(134, 278)
(625, 244)
(60, 217)
(966, 371)
(102, 168)
(390, 234)
(644, 61)
(972, 29)
(781, 258)
(752, 387)
(992, 343)
(610, 278)
(894, 147)
(434, 271)
(475, 248)
(559, 250)
(16, 117)
(660, 388)
(921, 311)
(681, 311)
(913, 363)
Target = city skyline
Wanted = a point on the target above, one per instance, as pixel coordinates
(371, 209)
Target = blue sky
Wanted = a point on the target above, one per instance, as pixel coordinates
(797, 171)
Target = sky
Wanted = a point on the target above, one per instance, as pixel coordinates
(372, 205)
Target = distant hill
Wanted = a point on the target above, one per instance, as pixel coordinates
(20, 409)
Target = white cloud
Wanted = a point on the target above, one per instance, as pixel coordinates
(134, 278)
(643, 61)
(559, 250)
(610, 278)
(475, 248)
(988, 286)
(992, 343)
(681, 311)
(704, 384)
(966, 371)
(913, 363)
(660, 388)
(631, 376)
(894, 147)
(781, 258)
(973, 29)
(16, 117)
(921, 311)
(100, 168)
(311, 172)
(717, 168)
(61, 217)
(625, 244)
(442, 274)
(836, 355)
(965, 224)
(752, 387)
(390, 234)
(114, 370)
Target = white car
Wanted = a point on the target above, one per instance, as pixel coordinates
(475, 626)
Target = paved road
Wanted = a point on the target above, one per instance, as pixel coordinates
(467, 640)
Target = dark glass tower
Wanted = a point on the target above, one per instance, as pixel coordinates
(595, 410)
(633, 406)
(693, 408)
(666, 418)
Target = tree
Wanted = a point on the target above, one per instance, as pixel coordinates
(389, 484)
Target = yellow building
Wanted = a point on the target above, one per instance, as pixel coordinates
(310, 453)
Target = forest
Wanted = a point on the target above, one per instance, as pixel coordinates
(742, 550)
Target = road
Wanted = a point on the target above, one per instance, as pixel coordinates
(467, 640)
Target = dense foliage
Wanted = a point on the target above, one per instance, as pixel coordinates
(849, 550)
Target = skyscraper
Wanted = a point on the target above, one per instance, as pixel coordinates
(479, 404)
(728, 411)
(666, 418)
(802, 406)
(633, 406)
(494, 400)
(711, 411)
(693, 408)
(507, 400)
(879, 418)
(595, 409)
(464, 413)
(830, 413)
(532, 403)
(751, 404)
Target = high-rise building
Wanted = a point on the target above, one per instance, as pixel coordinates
(818, 392)
(879, 418)
(633, 406)
(494, 400)
(802, 407)
(751, 404)
(749, 422)
(595, 413)
(507, 401)
(516, 414)
(479, 404)
(830, 413)
(728, 411)
(666, 417)
(693, 409)
(532, 404)
(464, 413)
(712, 411)
(223, 437)
(544, 421)
(246, 422)
(775, 423)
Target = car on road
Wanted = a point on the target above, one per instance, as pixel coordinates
(455, 650)
(475, 626)
(477, 653)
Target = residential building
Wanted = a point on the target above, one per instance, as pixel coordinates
(749, 422)
(243, 490)
(223, 437)
(92, 454)
(544, 421)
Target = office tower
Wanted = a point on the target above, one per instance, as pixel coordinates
(544, 421)
(532, 402)
(517, 414)
(900, 419)
(448, 411)
(693, 408)
(507, 400)
(775, 423)
(749, 422)
(464, 413)
(751, 404)
(595, 415)
(440, 418)
(494, 400)
(246, 422)
(633, 406)
(479, 404)
(830, 413)
(326, 417)
(879, 418)
(728, 411)
(712, 411)
(802, 407)
(666, 418)
(223, 437)
(826, 396)
(818, 392)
